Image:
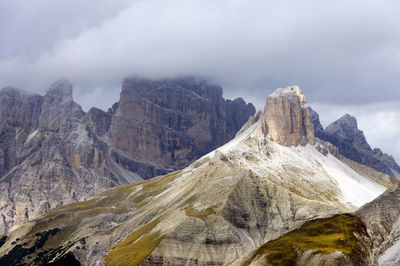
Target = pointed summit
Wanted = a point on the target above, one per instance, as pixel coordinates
(60, 88)
(286, 118)
(347, 123)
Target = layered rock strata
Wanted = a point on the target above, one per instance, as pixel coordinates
(49, 155)
(286, 118)
(175, 121)
(218, 210)
(53, 153)
(370, 236)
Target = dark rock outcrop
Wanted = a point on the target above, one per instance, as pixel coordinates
(351, 142)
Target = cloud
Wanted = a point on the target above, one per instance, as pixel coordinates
(342, 53)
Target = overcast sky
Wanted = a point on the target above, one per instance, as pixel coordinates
(344, 54)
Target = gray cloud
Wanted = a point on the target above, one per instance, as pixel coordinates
(342, 53)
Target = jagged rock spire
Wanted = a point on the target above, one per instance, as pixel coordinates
(286, 118)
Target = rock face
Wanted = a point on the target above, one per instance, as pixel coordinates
(351, 142)
(382, 219)
(49, 155)
(286, 118)
(214, 212)
(370, 236)
(173, 122)
(52, 153)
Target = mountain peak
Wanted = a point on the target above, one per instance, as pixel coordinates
(295, 89)
(287, 119)
(344, 125)
(13, 90)
(60, 88)
(349, 120)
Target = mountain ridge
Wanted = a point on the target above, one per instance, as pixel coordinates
(216, 211)
(351, 142)
(53, 153)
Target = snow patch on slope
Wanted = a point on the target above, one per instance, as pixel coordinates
(301, 169)
(356, 189)
(233, 143)
(391, 255)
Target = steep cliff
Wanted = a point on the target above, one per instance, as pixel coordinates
(286, 117)
(53, 153)
(172, 122)
(49, 155)
(216, 211)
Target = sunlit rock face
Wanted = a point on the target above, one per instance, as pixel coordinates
(286, 118)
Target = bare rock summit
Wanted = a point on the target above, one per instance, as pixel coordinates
(286, 118)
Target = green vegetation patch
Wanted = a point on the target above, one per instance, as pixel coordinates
(199, 214)
(136, 247)
(322, 235)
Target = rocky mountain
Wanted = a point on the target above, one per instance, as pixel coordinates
(172, 122)
(269, 180)
(52, 152)
(351, 142)
(49, 155)
(369, 236)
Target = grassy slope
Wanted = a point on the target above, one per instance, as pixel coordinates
(322, 235)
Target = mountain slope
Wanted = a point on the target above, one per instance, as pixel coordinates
(216, 211)
(52, 153)
(351, 142)
(370, 236)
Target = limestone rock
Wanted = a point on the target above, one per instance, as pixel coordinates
(352, 144)
(53, 153)
(216, 211)
(286, 118)
(372, 233)
(99, 121)
(172, 122)
(49, 156)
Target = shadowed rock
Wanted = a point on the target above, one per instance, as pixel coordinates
(351, 142)
(172, 122)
